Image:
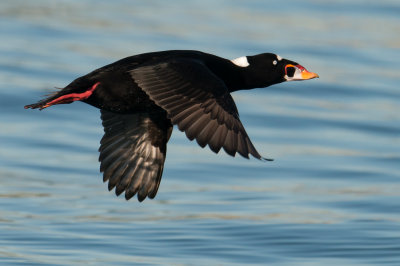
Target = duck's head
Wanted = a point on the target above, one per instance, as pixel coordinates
(266, 69)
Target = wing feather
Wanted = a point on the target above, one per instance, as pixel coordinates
(132, 152)
(198, 102)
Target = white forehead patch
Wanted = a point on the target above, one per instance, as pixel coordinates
(241, 61)
(278, 57)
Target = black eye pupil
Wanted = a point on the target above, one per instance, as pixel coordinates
(290, 71)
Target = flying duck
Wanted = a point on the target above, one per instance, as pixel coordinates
(141, 97)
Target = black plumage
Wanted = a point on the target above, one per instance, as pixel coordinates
(141, 97)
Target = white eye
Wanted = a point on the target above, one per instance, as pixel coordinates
(275, 62)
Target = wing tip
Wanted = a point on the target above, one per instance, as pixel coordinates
(261, 158)
(266, 159)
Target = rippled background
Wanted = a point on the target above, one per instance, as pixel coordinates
(332, 195)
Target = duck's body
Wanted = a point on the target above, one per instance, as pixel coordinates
(142, 96)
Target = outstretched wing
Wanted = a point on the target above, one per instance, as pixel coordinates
(198, 102)
(132, 152)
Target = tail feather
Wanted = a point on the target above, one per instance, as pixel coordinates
(42, 103)
(66, 95)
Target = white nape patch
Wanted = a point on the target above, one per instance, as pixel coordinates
(274, 62)
(241, 61)
(278, 57)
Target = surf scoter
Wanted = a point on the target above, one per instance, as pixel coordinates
(142, 96)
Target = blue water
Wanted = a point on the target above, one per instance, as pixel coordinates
(332, 195)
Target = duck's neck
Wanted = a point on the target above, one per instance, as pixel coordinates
(238, 77)
(232, 75)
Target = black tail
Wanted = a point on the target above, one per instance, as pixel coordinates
(42, 103)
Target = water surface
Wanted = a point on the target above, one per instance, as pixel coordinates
(330, 197)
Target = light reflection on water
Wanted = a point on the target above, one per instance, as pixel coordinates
(331, 196)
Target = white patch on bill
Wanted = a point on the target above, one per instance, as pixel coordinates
(241, 61)
(278, 57)
(296, 76)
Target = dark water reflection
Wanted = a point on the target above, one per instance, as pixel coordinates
(330, 197)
